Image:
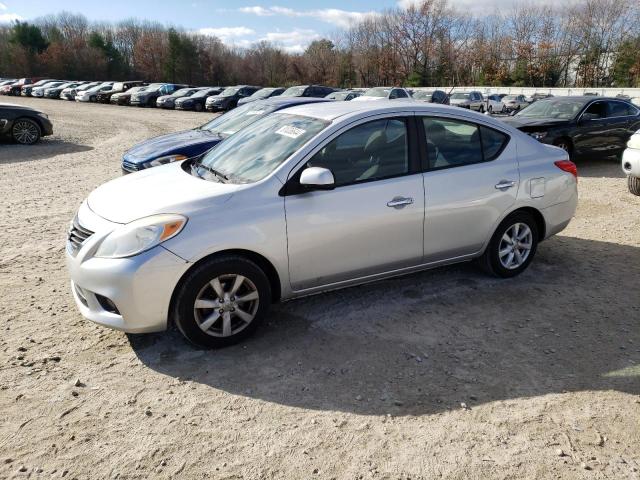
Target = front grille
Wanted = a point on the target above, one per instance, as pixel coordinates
(77, 236)
(130, 166)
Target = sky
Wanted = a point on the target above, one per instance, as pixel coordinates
(290, 24)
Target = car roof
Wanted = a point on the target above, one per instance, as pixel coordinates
(290, 101)
(336, 110)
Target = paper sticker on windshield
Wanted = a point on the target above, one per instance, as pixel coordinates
(255, 112)
(290, 131)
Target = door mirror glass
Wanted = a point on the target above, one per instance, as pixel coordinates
(317, 178)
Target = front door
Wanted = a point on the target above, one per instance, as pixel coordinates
(372, 222)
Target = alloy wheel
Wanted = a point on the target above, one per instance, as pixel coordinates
(226, 305)
(25, 132)
(515, 246)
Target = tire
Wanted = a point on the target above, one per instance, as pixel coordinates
(26, 131)
(199, 285)
(491, 261)
(490, 109)
(566, 145)
(198, 107)
(92, 99)
(634, 185)
(481, 109)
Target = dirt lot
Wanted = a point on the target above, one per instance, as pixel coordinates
(443, 374)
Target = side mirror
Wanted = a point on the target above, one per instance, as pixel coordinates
(317, 178)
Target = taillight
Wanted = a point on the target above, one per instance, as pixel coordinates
(567, 166)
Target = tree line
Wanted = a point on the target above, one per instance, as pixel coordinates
(592, 43)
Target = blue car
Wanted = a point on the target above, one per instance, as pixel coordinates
(187, 144)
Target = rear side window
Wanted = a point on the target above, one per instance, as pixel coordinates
(452, 143)
(620, 109)
(493, 142)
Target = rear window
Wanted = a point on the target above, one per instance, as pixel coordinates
(493, 142)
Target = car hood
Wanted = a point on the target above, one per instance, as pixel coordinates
(164, 189)
(23, 108)
(171, 143)
(524, 122)
(364, 98)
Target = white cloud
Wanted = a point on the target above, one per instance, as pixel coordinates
(294, 41)
(334, 16)
(2, 6)
(227, 33)
(9, 17)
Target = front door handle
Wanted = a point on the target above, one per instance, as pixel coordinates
(505, 184)
(399, 202)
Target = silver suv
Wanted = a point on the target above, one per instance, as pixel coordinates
(308, 199)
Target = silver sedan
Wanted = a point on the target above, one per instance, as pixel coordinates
(308, 199)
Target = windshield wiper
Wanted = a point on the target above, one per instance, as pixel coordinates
(218, 174)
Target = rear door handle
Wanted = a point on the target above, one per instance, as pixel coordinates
(399, 202)
(505, 184)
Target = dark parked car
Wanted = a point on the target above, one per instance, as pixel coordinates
(192, 143)
(24, 125)
(148, 96)
(538, 96)
(583, 126)
(343, 95)
(169, 101)
(197, 100)
(118, 87)
(15, 88)
(26, 89)
(54, 92)
(124, 98)
(261, 94)
(319, 91)
(434, 96)
(228, 99)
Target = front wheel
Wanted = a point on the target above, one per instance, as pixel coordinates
(490, 109)
(481, 109)
(26, 131)
(222, 301)
(512, 246)
(634, 185)
(198, 107)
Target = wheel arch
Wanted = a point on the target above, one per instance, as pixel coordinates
(537, 216)
(568, 139)
(265, 265)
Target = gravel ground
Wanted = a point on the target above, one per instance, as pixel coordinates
(443, 374)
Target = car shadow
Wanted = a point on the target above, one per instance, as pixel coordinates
(609, 167)
(430, 341)
(44, 149)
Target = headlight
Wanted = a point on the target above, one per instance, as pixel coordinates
(538, 135)
(166, 159)
(140, 235)
(634, 141)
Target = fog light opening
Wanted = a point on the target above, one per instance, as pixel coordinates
(107, 304)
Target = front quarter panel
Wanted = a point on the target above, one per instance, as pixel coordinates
(253, 220)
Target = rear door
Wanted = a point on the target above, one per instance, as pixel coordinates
(622, 117)
(471, 180)
(594, 135)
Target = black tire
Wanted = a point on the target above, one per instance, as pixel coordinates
(490, 109)
(634, 185)
(199, 280)
(198, 107)
(566, 145)
(92, 99)
(490, 259)
(481, 109)
(26, 131)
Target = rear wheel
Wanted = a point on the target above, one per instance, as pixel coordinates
(512, 246)
(26, 131)
(634, 185)
(481, 109)
(222, 301)
(490, 109)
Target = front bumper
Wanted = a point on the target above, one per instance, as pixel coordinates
(138, 288)
(631, 162)
(83, 98)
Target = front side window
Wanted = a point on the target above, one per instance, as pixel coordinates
(371, 151)
(257, 150)
(596, 110)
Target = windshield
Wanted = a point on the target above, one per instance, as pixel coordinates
(564, 109)
(86, 86)
(231, 122)
(337, 95)
(258, 149)
(423, 95)
(229, 92)
(118, 86)
(460, 96)
(510, 98)
(201, 93)
(262, 93)
(51, 84)
(294, 91)
(136, 89)
(183, 92)
(154, 87)
(377, 92)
